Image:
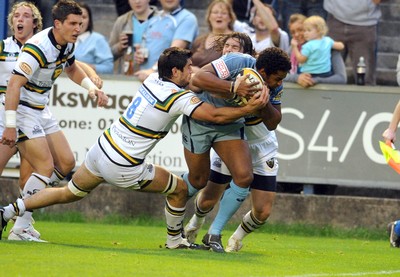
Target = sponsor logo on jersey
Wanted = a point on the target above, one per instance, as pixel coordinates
(194, 100)
(25, 68)
(221, 69)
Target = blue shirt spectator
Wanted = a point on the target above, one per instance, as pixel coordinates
(92, 47)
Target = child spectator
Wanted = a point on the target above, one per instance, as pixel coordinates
(315, 54)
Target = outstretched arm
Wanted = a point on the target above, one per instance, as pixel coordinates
(76, 74)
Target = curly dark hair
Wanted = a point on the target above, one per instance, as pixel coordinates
(272, 60)
(244, 41)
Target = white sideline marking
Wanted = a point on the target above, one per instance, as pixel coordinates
(385, 272)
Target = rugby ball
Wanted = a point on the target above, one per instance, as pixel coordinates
(253, 77)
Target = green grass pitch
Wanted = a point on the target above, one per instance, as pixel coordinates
(137, 249)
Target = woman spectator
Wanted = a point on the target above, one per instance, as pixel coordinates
(339, 76)
(92, 47)
(220, 19)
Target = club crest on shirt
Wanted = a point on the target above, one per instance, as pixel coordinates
(194, 100)
(25, 68)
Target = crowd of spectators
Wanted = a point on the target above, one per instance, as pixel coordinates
(158, 24)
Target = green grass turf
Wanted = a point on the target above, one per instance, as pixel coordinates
(119, 247)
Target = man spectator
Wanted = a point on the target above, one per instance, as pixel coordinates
(174, 26)
(355, 24)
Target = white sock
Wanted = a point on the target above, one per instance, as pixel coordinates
(16, 208)
(56, 178)
(174, 218)
(248, 225)
(34, 184)
(23, 221)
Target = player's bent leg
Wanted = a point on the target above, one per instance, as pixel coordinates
(236, 156)
(199, 168)
(206, 200)
(64, 161)
(6, 154)
(262, 202)
(175, 190)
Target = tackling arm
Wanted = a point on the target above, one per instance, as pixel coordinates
(207, 112)
(207, 79)
(271, 116)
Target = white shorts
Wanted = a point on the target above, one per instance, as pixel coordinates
(34, 123)
(127, 177)
(263, 156)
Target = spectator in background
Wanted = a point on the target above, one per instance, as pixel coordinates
(315, 54)
(305, 79)
(355, 24)
(92, 47)
(173, 26)
(136, 21)
(45, 7)
(122, 6)
(220, 19)
(267, 32)
(242, 8)
(304, 7)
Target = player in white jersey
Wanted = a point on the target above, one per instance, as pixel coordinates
(119, 155)
(41, 61)
(263, 147)
(24, 21)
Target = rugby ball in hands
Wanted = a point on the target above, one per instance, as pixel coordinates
(253, 77)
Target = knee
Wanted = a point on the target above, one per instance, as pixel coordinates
(198, 180)
(262, 214)
(243, 179)
(67, 165)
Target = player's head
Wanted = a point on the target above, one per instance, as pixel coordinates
(273, 64)
(234, 42)
(67, 16)
(175, 65)
(24, 19)
(315, 27)
(63, 8)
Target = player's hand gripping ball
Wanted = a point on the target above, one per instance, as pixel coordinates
(253, 77)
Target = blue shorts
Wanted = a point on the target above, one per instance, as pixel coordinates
(198, 138)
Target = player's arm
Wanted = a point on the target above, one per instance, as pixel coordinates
(390, 133)
(271, 116)
(207, 79)
(12, 100)
(76, 74)
(207, 112)
(91, 73)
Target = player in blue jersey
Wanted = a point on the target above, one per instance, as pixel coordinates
(40, 140)
(273, 64)
(119, 156)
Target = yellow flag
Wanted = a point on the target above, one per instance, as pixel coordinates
(391, 154)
